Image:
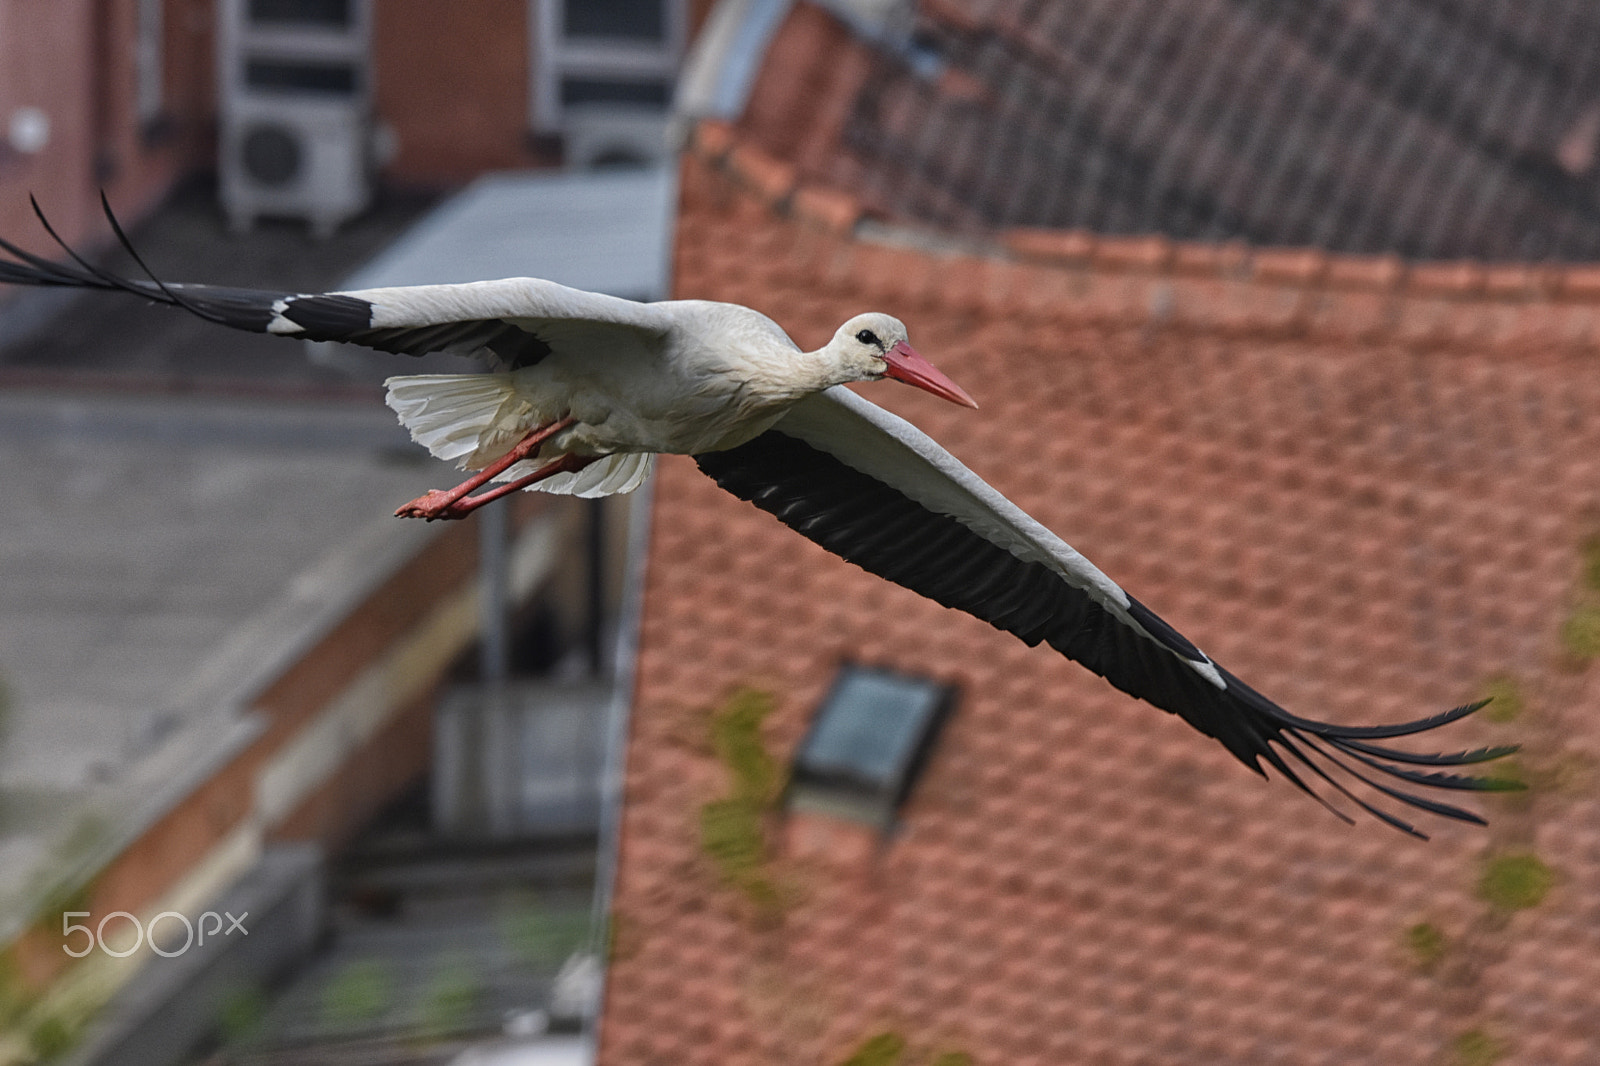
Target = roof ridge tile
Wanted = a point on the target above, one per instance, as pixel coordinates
(1073, 245)
(1578, 282)
(1303, 266)
(712, 139)
(1151, 252)
(1518, 279)
(1459, 277)
(1227, 258)
(1230, 287)
(773, 178)
(1364, 271)
(828, 208)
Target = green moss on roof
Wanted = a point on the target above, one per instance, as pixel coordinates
(1580, 634)
(1515, 882)
(1590, 552)
(1476, 1047)
(1426, 944)
(733, 836)
(733, 830)
(884, 1049)
(1506, 702)
(736, 736)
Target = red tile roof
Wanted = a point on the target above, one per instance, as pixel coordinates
(1411, 126)
(1370, 488)
(1363, 488)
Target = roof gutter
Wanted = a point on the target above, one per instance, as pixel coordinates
(721, 68)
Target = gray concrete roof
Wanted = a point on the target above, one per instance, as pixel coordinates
(607, 231)
(187, 507)
(146, 539)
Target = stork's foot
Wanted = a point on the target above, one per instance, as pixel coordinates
(457, 504)
(434, 504)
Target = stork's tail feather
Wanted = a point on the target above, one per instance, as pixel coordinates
(474, 419)
(466, 419)
(614, 474)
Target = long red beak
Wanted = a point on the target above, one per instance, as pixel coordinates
(907, 366)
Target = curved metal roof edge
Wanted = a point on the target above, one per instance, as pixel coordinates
(722, 66)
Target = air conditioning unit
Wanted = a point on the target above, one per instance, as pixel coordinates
(296, 114)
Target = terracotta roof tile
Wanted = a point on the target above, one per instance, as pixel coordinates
(714, 139)
(1448, 279)
(1146, 253)
(1052, 244)
(1366, 271)
(1302, 266)
(828, 208)
(1581, 282)
(1368, 524)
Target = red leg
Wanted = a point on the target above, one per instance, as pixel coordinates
(436, 502)
(463, 507)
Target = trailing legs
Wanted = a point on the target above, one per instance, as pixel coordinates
(455, 503)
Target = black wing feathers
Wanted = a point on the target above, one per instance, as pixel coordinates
(513, 346)
(1159, 629)
(876, 527)
(329, 316)
(320, 316)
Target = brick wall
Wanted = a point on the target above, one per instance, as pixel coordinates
(452, 82)
(77, 62)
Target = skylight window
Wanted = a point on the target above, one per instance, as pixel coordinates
(867, 744)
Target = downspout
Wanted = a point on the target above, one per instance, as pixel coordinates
(613, 772)
(102, 97)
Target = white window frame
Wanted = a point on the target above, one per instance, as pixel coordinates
(556, 56)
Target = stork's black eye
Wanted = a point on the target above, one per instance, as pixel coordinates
(866, 336)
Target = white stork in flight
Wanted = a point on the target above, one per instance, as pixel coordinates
(583, 390)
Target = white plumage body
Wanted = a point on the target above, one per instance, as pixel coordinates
(684, 377)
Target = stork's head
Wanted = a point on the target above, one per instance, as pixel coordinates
(874, 346)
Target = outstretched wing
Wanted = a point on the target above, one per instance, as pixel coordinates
(873, 489)
(514, 321)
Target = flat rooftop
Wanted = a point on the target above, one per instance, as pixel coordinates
(185, 506)
(157, 550)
